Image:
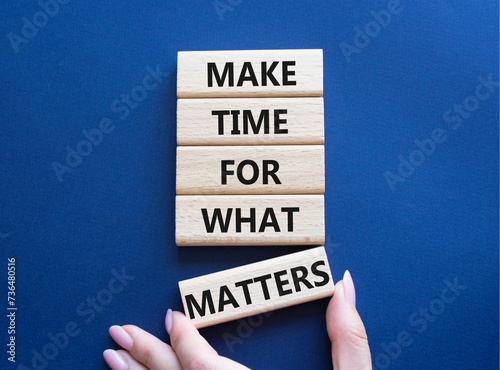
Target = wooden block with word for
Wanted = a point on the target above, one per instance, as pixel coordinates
(285, 169)
(256, 288)
(250, 121)
(250, 73)
(204, 220)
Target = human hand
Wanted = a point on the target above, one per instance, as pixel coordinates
(189, 350)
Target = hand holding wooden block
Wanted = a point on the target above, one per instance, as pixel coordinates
(256, 288)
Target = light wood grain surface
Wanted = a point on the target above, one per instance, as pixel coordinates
(304, 67)
(250, 121)
(249, 220)
(286, 169)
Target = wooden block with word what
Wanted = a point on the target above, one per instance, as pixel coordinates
(256, 288)
(249, 220)
(285, 169)
(250, 73)
(250, 121)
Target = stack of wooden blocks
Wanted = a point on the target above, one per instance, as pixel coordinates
(250, 171)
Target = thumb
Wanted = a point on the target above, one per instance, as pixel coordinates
(347, 333)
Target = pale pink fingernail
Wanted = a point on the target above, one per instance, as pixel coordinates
(349, 291)
(168, 321)
(121, 337)
(114, 360)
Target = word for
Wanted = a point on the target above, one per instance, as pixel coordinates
(268, 219)
(266, 171)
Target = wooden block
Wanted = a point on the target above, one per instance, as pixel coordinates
(286, 169)
(256, 288)
(250, 73)
(250, 121)
(204, 220)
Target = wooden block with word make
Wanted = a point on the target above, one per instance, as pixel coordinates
(249, 73)
(285, 169)
(256, 288)
(250, 121)
(204, 220)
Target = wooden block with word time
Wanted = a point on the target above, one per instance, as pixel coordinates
(249, 220)
(250, 121)
(258, 287)
(249, 73)
(277, 169)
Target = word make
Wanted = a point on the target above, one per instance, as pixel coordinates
(249, 73)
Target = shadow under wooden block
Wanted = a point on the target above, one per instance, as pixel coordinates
(249, 73)
(258, 287)
(285, 169)
(250, 121)
(249, 220)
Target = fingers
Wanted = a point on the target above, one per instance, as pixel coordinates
(192, 349)
(114, 360)
(350, 348)
(144, 349)
(151, 351)
(122, 360)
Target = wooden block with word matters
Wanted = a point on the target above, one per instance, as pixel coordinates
(249, 220)
(250, 121)
(285, 169)
(249, 73)
(256, 288)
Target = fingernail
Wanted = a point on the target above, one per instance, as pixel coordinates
(114, 360)
(349, 291)
(121, 337)
(168, 321)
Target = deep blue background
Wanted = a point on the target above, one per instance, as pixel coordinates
(116, 209)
